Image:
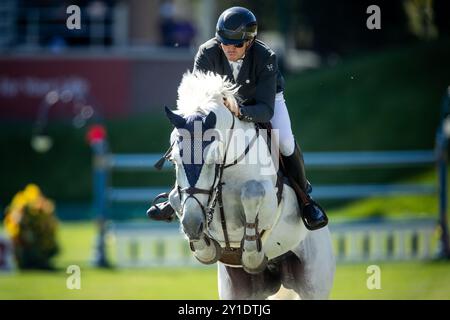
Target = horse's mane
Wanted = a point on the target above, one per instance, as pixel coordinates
(198, 89)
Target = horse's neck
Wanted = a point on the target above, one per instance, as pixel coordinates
(238, 139)
(257, 163)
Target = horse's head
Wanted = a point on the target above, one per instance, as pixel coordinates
(198, 146)
(196, 154)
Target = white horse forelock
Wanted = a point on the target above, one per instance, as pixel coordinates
(198, 90)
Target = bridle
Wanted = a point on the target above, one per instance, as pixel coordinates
(215, 192)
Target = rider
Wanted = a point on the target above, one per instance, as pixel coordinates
(236, 53)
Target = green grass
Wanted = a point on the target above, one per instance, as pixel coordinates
(113, 284)
(398, 281)
(395, 207)
(76, 241)
(411, 280)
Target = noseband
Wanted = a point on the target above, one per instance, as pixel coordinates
(192, 191)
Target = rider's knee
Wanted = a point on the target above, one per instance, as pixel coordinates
(287, 145)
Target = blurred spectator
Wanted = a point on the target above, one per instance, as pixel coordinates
(184, 33)
(44, 23)
(57, 44)
(174, 30)
(167, 22)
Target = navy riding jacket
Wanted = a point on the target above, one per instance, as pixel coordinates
(259, 77)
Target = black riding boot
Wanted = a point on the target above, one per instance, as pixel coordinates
(161, 211)
(313, 215)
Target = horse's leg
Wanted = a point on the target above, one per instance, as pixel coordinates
(254, 259)
(206, 250)
(237, 284)
(313, 267)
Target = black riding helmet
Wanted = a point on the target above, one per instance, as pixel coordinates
(236, 25)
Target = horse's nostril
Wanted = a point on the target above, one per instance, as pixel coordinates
(200, 228)
(193, 231)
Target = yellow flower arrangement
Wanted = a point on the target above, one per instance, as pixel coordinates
(31, 224)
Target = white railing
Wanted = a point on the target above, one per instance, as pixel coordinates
(141, 245)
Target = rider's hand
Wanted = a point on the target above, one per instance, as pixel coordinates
(232, 106)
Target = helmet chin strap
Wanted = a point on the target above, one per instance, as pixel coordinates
(250, 44)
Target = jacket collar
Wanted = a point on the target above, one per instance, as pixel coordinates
(244, 67)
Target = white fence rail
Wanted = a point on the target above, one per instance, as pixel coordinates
(138, 245)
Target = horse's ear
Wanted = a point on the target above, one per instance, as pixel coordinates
(177, 120)
(210, 121)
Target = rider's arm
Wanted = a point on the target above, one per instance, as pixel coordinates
(263, 108)
(201, 62)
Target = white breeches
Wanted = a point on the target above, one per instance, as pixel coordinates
(282, 122)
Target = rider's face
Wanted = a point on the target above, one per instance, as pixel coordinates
(233, 53)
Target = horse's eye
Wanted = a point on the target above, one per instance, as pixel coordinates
(180, 148)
